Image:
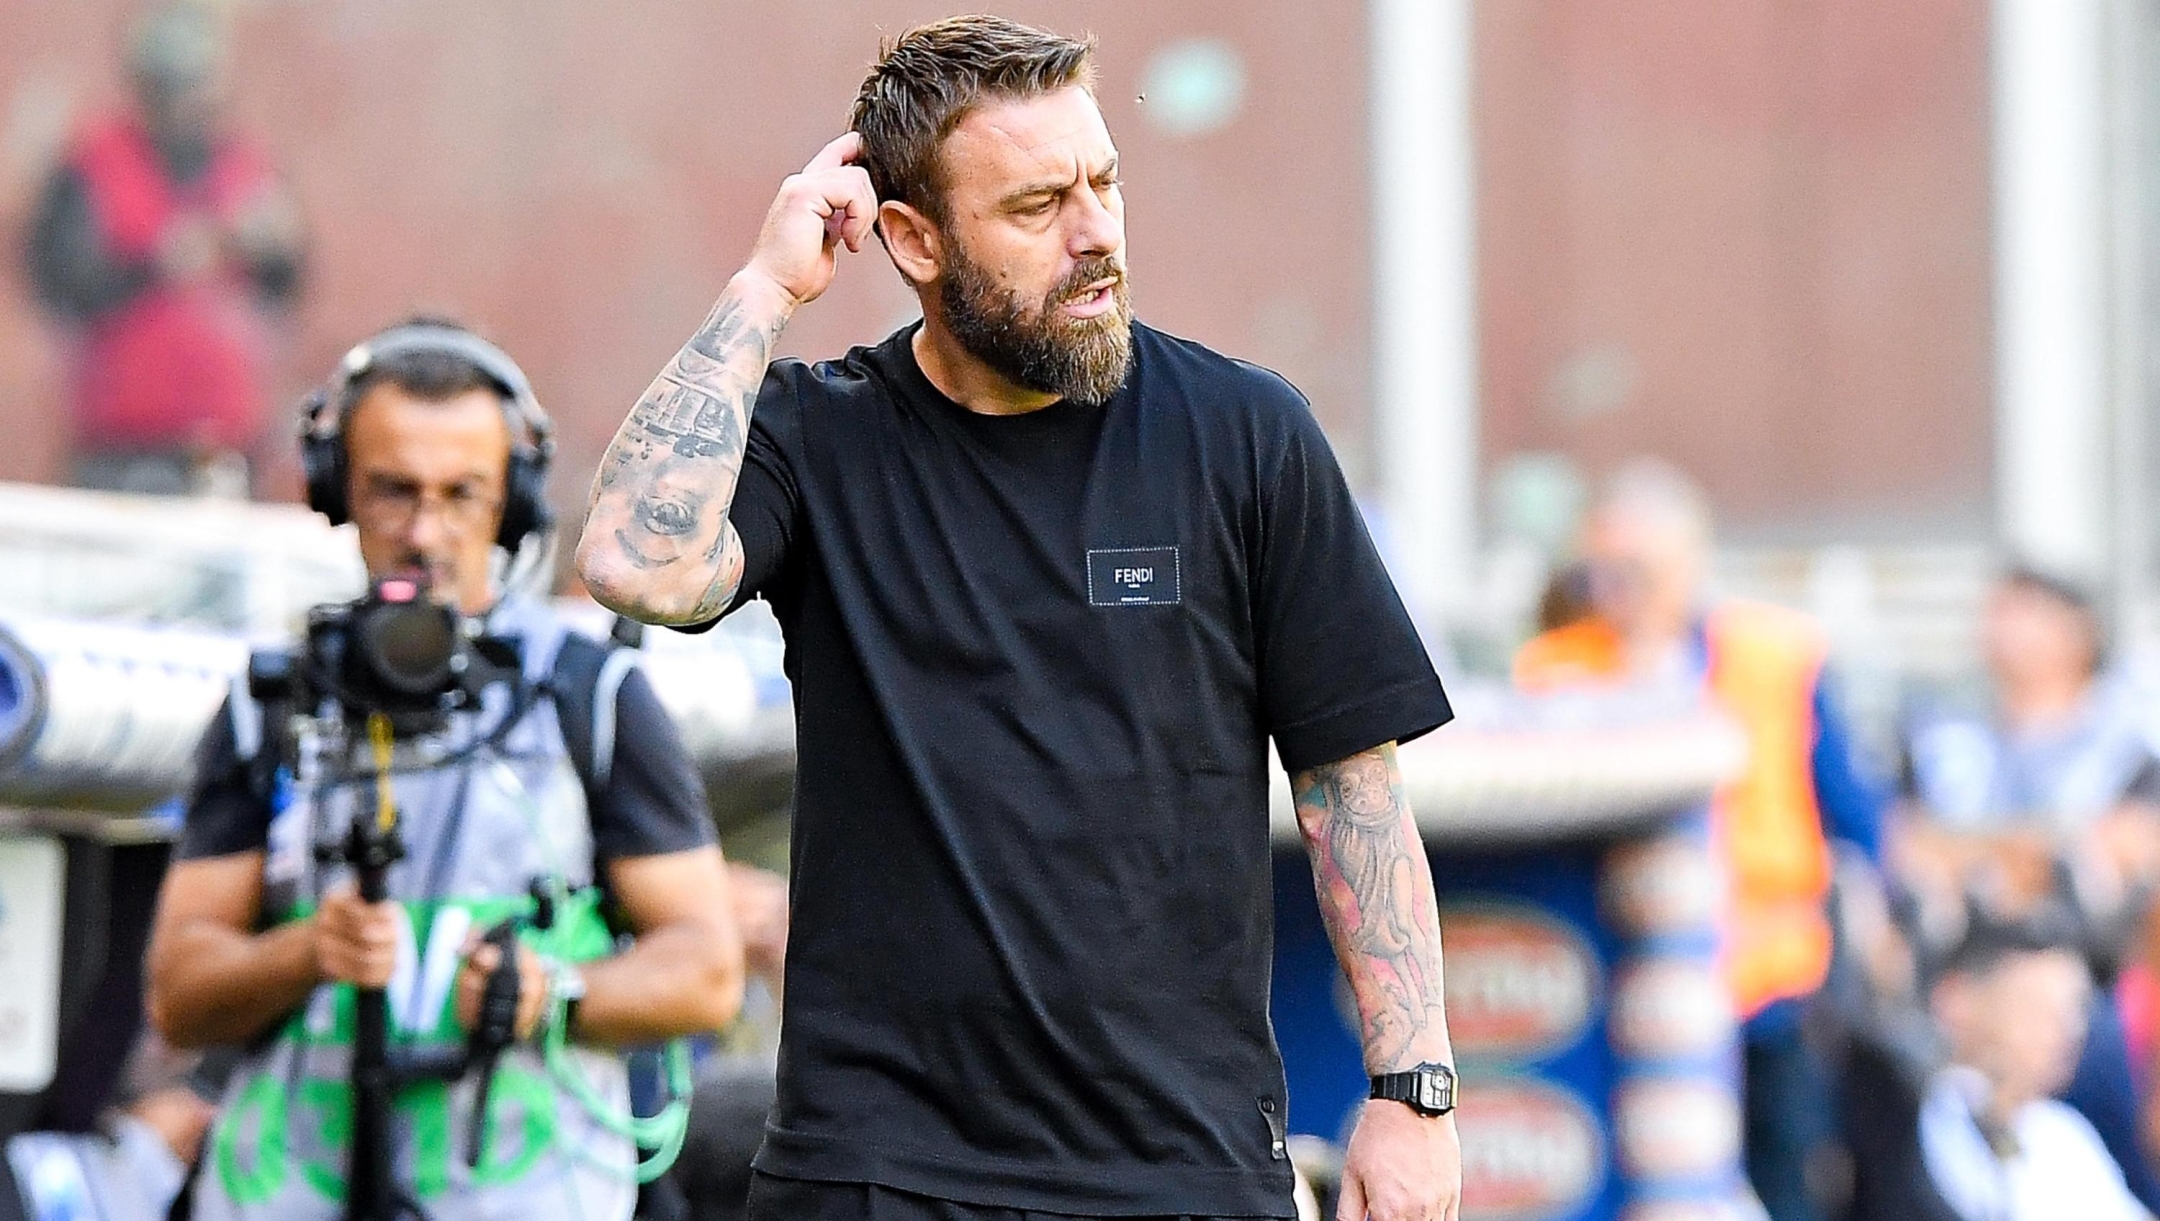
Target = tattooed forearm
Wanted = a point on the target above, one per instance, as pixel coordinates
(727, 328)
(1376, 897)
(657, 542)
(660, 523)
(693, 422)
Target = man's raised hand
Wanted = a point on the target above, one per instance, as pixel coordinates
(829, 203)
(658, 545)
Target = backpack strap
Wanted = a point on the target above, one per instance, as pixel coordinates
(261, 742)
(587, 678)
(247, 720)
(620, 662)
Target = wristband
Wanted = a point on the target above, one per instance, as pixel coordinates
(566, 984)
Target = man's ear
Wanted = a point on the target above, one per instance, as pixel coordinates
(911, 239)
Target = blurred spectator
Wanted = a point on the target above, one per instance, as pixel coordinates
(761, 911)
(133, 1167)
(1646, 546)
(2011, 1003)
(1565, 601)
(2046, 796)
(166, 244)
(2052, 788)
(735, 1089)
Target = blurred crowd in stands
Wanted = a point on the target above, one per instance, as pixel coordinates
(1944, 963)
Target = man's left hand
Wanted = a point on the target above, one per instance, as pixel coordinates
(1401, 1166)
(480, 960)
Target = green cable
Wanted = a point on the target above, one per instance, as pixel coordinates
(662, 1133)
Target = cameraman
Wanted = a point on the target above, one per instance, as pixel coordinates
(429, 441)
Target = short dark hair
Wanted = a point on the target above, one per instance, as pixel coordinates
(2053, 585)
(1991, 940)
(430, 375)
(2069, 594)
(926, 81)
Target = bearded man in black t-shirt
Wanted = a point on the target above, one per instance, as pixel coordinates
(1051, 580)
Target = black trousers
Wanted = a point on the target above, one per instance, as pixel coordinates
(776, 1199)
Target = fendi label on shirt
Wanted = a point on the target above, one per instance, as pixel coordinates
(1133, 576)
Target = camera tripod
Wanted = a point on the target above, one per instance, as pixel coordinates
(373, 844)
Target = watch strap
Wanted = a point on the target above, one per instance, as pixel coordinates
(1428, 1089)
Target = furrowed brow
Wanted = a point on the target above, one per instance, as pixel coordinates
(1033, 192)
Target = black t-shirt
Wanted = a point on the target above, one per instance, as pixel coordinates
(653, 802)
(1037, 660)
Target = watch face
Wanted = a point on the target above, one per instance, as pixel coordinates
(1436, 1090)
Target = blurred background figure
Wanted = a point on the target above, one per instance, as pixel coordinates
(2046, 794)
(2050, 787)
(1648, 621)
(166, 244)
(131, 1168)
(735, 1085)
(2011, 1002)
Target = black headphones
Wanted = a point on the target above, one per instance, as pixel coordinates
(322, 426)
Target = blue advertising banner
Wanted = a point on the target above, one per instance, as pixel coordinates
(1591, 1029)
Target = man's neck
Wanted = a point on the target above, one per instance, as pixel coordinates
(2040, 702)
(966, 380)
(1998, 1113)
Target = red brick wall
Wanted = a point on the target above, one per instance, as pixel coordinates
(1751, 236)
(579, 178)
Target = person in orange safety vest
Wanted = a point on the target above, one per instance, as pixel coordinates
(1646, 545)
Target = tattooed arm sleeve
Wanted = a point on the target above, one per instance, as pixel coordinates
(657, 544)
(1376, 898)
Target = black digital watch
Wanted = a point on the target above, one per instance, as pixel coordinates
(1428, 1089)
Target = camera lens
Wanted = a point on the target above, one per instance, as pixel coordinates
(409, 646)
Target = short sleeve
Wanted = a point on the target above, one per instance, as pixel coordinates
(654, 801)
(226, 813)
(767, 504)
(1342, 669)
